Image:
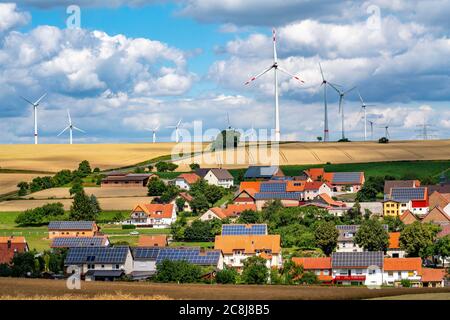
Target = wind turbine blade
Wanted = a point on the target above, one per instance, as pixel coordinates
(360, 98)
(78, 129)
(290, 74)
(27, 101)
(274, 38)
(62, 131)
(179, 123)
(334, 87)
(40, 99)
(156, 129)
(259, 75)
(349, 90)
(321, 72)
(68, 115)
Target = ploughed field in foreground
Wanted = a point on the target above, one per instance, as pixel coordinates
(56, 289)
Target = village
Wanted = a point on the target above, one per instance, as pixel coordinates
(256, 227)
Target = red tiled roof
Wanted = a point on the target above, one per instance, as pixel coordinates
(152, 241)
(190, 178)
(186, 196)
(325, 197)
(17, 244)
(313, 263)
(251, 187)
(403, 264)
(218, 212)
(433, 275)
(236, 209)
(315, 173)
(394, 240)
(156, 210)
(315, 185)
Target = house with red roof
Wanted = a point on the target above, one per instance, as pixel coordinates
(153, 215)
(185, 180)
(339, 181)
(433, 277)
(394, 250)
(315, 188)
(398, 269)
(9, 246)
(187, 201)
(232, 211)
(324, 201)
(320, 266)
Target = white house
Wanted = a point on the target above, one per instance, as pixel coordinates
(187, 201)
(237, 248)
(153, 215)
(358, 268)
(185, 180)
(100, 263)
(398, 269)
(219, 177)
(314, 189)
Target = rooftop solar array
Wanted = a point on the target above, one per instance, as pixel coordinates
(357, 259)
(347, 227)
(72, 242)
(260, 172)
(242, 229)
(346, 177)
(92, 255)
(273, 187)
(278, 195)
(407, 194)
(191, 255)
(146, 253)
(71, 225)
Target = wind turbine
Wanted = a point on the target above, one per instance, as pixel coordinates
(326, 132)
(71, 127)
(341, 105)
(177, 127)
(364, 107)
(371, 128)
(35, 105)
(275, 68)
(153, 131)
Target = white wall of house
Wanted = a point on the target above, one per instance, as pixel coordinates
(182, 184)
(208, 215)
(212, 179)
(236, 260)
(395, 253)
(348, 246)
(371, 277)
(391, 277)
(127, 266)
(144, 265)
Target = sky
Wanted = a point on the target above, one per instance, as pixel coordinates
(132, 65)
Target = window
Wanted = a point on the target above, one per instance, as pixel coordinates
(326, 272)
(117, 266)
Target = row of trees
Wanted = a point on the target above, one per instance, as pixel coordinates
(60, 179)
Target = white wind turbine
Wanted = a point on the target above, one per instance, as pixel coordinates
(364, 108)
(275, 68)
(35, 105)
(341, 105)
(326, 132)
(71, 127)
(177, 133)
(371, 128)
(154, 130)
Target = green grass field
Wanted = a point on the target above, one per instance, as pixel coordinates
(193, 244)
(398, 169)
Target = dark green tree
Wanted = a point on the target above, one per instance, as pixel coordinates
(417, 239)
(96, 209)
(180, 204)
(177, 271)
(255, 271)
(26, 264)
(23, 188)
(194, 166)
(248, 216)
(41, 215)
(84, 168)
(226, 276)
(372, 236)
(291, 272)
(199, 203)
(366, 194)
(394, 223)
(442, 247)
(199, 231)
(309, 278)
(326, 236)
(77, 186)
(162, 166)
(156, 187)
(82, 208)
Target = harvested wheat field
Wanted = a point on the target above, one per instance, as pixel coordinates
(107, 204)
(52, 158)
(9, 181)
(63, 193)
(297, 153)
(55, 289)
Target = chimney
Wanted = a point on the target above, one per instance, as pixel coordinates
(9, 243)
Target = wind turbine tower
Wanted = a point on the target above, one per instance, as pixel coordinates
(35, 105)
(275, 68)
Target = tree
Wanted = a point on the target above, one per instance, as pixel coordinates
(96, 170)
(309, 278)
(156, 187)
(248, 216)
(169, 194)
(180, 204)
(255, 271)
(394, 223)
(82, 208)
(194, 166)
(291, 272)
(25, 264)
(177, 228)
(96, 209)
(23, 188)
(372, 236)
(171, 166)
(442, 247)
(319, 139)
(198, 231)
(417, 239)
(226, 276)
(213, 193)
(84, 168)
(162, 166)
(177, 271)
(199, 203)
(41, 215)
(326, 236)
(77, 186)
(62, 178)
(366, 194)
(118, 217)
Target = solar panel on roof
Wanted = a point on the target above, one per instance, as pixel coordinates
(70, 242)
(146, 253)
(273, 187)
(407, 194)
(357, 259)
(70, 225)
(346, 177)
(191, 255)
(110, 255)
(241, 229)
(278, 195)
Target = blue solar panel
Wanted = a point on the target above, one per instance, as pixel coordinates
(71, 225)
(71, 242)
(242, 229)
(278, 195)
(107, 255)
(191, 255)
(273, 187)
(146, 253)
(347, 177)
(407, 194)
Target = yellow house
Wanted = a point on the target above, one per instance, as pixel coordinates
(72, 229)
(392, 208)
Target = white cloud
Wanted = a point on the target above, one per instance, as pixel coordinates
(11, 18)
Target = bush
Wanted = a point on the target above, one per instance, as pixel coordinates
(156, 187)
(226, 276)
(41, 215)
(128, 226)
(309, 278)
(405, 283)
(177, 271)
(255, 271)
(383, 140)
